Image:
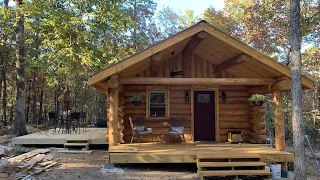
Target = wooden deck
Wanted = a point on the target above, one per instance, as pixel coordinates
(97, 136)
(180, 153)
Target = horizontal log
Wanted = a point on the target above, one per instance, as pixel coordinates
(233, 88)
(234, 100)
(234, 93)
(256, 128)
(180, 111)
(262, 125)
(129, 105)
(137, 87)
(263, 132)
(234, 125)
(255, 135)
(180, 106)
(234, 106)
(284, 85)
(188, 81)
(253, 140)
(186, 116)
(178, 100)
(262, 139)
(180, 88)
(156, 124)
(177, 94)
(234, 118)
(135, 111)
(254, 109)
(234, 112)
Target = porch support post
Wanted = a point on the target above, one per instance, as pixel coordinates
(113, 98)
(279, 121)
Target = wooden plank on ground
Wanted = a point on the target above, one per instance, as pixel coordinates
(43, 169)
(18, 159)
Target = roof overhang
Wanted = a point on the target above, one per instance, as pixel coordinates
(97, 80)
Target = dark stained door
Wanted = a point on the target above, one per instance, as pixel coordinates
(204, 116)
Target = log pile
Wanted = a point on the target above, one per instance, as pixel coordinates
(32, 163)
(257, 125)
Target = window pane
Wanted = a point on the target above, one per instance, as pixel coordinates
(157, 98)
(157, 104)
(157, 111)
(203, 98)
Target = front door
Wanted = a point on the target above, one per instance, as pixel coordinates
(204, 116)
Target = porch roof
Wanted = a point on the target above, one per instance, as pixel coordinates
(218, 47)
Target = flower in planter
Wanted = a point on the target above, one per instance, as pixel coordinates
(138, 97)
(257, 97)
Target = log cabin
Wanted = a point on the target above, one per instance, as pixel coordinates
(204, 76)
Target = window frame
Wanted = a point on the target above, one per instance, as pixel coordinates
(166, 92)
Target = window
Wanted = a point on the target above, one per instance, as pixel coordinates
(203, 98)
(157, 104)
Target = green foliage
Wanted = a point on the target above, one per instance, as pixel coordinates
(257, 97)
(138, 97)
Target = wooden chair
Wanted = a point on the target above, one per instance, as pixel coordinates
(177, 127)
(138, 130)
(83, 121)
(75, 119)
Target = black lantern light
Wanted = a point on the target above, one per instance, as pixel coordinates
(187, 96)
(224, 96)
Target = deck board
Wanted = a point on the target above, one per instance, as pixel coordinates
(180, 153)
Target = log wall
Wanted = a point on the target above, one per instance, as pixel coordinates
(198, 68)
(257, 124)
(179, 108)
(234, 112)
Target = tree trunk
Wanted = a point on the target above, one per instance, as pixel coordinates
(298, 136)
(28, 101)
(41, 104)
(4, 95)
(19, 125)
(33, 100)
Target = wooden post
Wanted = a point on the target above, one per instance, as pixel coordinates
(113, 98)
(279, 121)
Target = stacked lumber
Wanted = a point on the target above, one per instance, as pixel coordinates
(257, 124)
(33, 162)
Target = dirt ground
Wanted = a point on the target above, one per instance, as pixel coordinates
(91, 167)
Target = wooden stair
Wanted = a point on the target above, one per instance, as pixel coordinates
(231, 165)
(77, 143)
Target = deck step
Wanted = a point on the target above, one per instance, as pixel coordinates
(229, 156)
(235, 173)
(77, 143)
(230, 164)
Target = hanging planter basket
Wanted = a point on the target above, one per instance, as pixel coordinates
(257, 103)
(136, 103)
